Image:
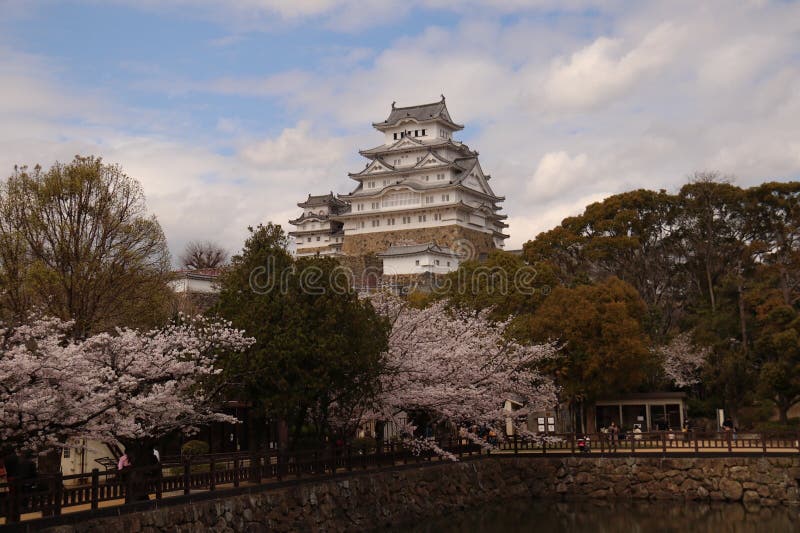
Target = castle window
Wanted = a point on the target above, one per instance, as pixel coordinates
(402, 134)
(406, 220)
(445, 197)
(317, 239)
(448, 263)
(309, 239)
(395, 136)
(416, 133)
(416, 262)
(422, 218)
(390, 222)
(439, 177)
(376, 223)
(437, 216)
(362, 223)
(399, 199)
(423, 132)
(429, 199)
(437, 262)
(375, 205)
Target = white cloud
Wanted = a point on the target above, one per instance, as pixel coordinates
(562, 112)
(605, 69)
(556, 173)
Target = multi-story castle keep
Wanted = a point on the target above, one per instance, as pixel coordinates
(420, 187)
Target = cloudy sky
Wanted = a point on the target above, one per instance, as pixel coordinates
(230, 112)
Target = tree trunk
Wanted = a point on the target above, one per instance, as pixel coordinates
(742, 316)
(710, 287)
(379, 425)
(783, 414)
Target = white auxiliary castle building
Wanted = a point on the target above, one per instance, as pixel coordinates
(422, 196)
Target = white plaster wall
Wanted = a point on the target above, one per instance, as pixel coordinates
(82, 455)
(402, 265)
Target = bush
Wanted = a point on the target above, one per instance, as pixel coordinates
(775, 427)
(194, 447)
(364, 444)
(754, 416)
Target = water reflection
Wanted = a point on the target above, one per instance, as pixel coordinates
(614, 516)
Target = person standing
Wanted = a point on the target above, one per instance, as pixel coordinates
(613, 433)
(124, 462)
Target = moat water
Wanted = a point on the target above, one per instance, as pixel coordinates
(543, 516)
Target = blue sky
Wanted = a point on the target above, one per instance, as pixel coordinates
(229, 113)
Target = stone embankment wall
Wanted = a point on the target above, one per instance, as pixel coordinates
(457, 238)
(373, 500)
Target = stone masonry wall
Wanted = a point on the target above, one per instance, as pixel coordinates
(454, 237)
(374, 500)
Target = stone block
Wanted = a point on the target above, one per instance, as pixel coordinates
(750, 497)
(731, 489)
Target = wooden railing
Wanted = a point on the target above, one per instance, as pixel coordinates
(176, 476)
(692, 442)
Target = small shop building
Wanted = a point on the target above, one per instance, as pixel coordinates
(652, 411)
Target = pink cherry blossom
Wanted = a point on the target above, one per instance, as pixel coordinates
(108, 387)
(458, 367)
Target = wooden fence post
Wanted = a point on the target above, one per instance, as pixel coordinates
(187, 472)
(159, 481)
(572, 443)
(696, 444)
(730, 441)
(764, 443)
(15, 501)
(95, 488)
(516, 446)
(236, 470)
(664, 442)
(212, 482)
(58, 493)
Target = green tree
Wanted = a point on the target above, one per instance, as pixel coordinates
(504, 282)
(629, 236)
(78, 243)
(319, 349)
(605, 348)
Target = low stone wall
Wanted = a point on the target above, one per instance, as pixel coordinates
(374, 500)
(751, 480)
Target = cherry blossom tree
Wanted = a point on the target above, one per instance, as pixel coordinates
(114, 388)
(458, 368)
(682, 360)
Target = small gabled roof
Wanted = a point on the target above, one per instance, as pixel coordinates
(320, 200)
(431, 155)
(199, 273)
(414, 249)
(418, 113)
(416, 145)
(311, 216)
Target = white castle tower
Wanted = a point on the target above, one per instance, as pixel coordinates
(419, 187)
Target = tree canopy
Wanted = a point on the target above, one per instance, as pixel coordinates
(319, 349)
(76, 241)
